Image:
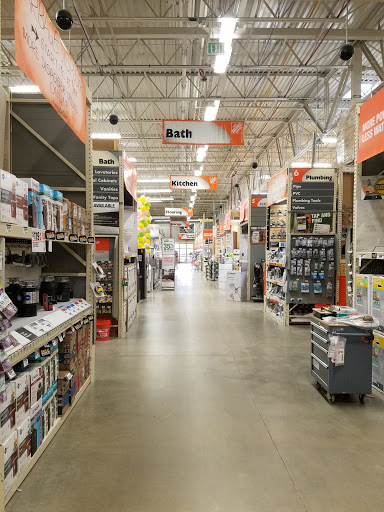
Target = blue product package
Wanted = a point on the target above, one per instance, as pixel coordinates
(36, 417)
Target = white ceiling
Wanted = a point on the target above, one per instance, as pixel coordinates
(283, 77)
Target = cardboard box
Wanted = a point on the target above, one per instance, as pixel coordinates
(8, 198)
(46, 418)
(22, 398)
(24, 443)
(47, 206)
(75, 229)
(63, 382)
(8, 412)
(58, 211)
(363, 292)
(21, 202)
(54, 361)
(36, 417)
(35, 215)
(69, 343)
(53, 403)
(10, 461)
(63, 403)
(376, 301)
(36, 383)
(67, 216)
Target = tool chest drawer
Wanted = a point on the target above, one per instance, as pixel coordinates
(320, 371)
(320, 352)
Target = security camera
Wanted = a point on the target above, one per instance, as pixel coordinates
(192, 18)
(255, 165)
(113, 119)
(64, 19)
(346, 52)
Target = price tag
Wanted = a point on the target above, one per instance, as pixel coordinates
(83, 239)
(2, 381)
(73, 238)
(25, 362)
(44, 352)
(60, 235)
(25, 230)
(90, 318)
(8, 228)
(11, 373)
(91, 240)
(50, 235)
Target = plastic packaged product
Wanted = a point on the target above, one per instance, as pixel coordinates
(307, 268)
(58, 211)
(4, 323)
(331, 269)
(7, 307)
(329, 290)
(293, 267)
(330, 255)
(299, 267)
(320, 274)
(314, 274)
(304, 287)
(317, 287)
(47, 206)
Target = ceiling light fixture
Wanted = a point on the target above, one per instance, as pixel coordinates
(106, 136)
(328, 140)
(322, 165)
(132, 159)
(302, 165)
(25, 89)
(211, 111)
(155, 191)
(227, 30)
(197, 173)
(201, 152)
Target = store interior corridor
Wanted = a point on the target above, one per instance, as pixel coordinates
(209, 406)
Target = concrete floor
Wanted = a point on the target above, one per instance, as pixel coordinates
(209, 407)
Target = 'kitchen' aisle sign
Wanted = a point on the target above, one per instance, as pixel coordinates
(211, 133)
(191, 182)
(41, 54)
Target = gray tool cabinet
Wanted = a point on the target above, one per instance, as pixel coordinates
(355, 376)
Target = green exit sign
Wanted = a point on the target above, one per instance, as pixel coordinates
(215, 48)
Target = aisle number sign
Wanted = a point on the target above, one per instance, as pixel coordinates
(181, 182)
(211, 133)
(41, 54)
(371, 127)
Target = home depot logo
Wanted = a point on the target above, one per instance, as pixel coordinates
(213, 180)
(236, 127)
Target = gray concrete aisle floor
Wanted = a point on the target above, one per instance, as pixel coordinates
(209, 407)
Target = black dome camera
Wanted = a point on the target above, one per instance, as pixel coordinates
(192, 18)
(113, 119)
(64, 19)
(255, 165)
(346, 52)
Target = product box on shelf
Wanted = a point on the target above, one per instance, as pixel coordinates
(363, 292)
(67, 216)
(58, 211)
(46, 196)
(46, 418)
(378, 360)
(377, 300)
(8, 198)
(64, 383)
(36, 383)
(53, 403)
(75, 229)
(8, 412)
(35, 215)
(36, 417)
(10, 461)
(21, 203)
(24, 443)
(22, 398)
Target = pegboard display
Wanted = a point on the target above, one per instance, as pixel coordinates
(311, 269)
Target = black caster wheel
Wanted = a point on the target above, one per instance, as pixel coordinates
(332, 399)
(317, 385)
(362, 399)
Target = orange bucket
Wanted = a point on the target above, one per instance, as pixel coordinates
(103, 326)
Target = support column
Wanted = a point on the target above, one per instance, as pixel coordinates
(356, 73)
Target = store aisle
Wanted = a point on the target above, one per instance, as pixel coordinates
(209, 407)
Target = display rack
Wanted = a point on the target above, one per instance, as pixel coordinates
(61, 161)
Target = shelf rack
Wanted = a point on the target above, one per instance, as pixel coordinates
(63, 162)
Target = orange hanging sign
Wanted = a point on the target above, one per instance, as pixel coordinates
(41, 54)
(244, 208)
(207, 234)
(277, 187)
(371, 127)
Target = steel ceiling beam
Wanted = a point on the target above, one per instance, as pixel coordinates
(147, 99)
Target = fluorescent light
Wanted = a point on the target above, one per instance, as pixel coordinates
(211, 111)
(132, 159)
(106, 136)
(155, 190)
(201, 152)
(319, 165)
(192, 198)
(301, 164)
(153, 180)
(161, 217)
(328, 140)
(160, 199)
(201, 168)
(26, 89)
(197, 173)
(365, 90)
(188, 218)
(156, 200)
(191, 205)
(194, 191)
(227, 30)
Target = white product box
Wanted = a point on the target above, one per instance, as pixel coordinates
(363, 292)
(53, 403)
(8, 197)
(35, 214)
(236, 284)
(21, 202)
(376, 301)
(10, 461)
(24, 443)
(7, 412)
(47, 206)
(58, 211)
(54, 360)
(22, 398)
(35, 414)
(36, 383)
(46, 418)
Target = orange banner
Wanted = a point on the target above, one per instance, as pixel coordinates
(41, 54)
(181, 182)
(222, 227)
(371, 127)
(277, 187)
(208, 234)
(244, 207)
(211, 133)
(130, 176)
(227, 221)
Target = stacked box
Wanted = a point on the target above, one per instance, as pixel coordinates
(67, 216)
(46, 195)
(64, 383)
(68, 351)
(21, 203)
(376, 302)
(8, 198)
(58, 211)
(10, 461)
(363, 292)
(35, 216)
(22, 398)
(24, 443)
(7, 412)
(36, 417)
